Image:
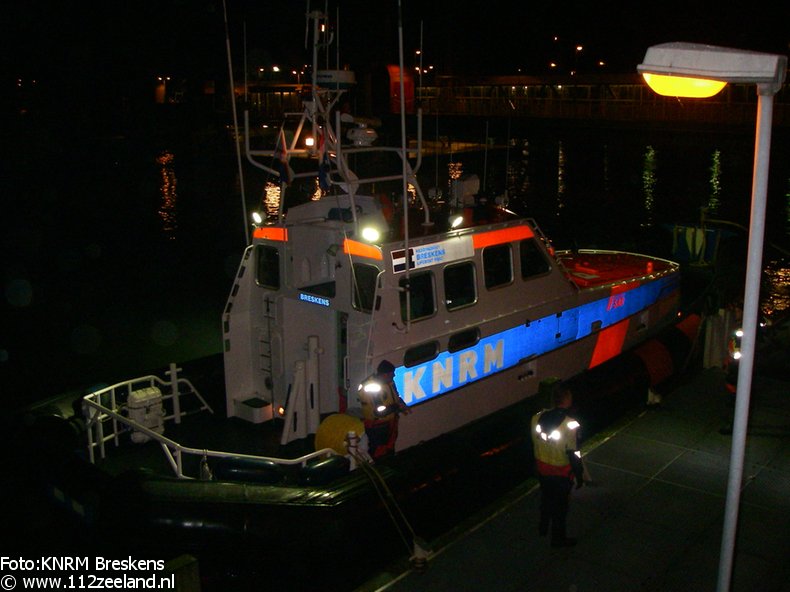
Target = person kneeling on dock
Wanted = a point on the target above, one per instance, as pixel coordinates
(381, 407)
(558, 464)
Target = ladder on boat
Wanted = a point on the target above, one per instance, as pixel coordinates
(265, 339)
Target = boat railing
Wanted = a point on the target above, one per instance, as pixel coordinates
(105, 405)
(109, 406)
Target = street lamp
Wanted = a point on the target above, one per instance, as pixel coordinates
(683, 69)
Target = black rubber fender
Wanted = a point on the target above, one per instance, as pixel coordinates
(322, 471)
(51, 437)
(248, 470)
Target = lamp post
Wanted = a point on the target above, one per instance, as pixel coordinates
(687, 69)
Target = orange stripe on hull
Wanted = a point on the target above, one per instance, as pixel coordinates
(271, 233)
(352, 247)
(497, 237)
(609, 343)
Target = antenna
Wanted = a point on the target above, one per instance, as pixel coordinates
(306, 24)
(236, 125)
(326, 47)
(337, 46)
(404, 188)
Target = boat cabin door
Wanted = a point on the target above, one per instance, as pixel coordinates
(313, 354)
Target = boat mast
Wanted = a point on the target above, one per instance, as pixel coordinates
(236, 126)
(404, 166)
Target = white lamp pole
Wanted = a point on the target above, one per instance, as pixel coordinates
(767, 71)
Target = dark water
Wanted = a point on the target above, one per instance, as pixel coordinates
(119, 251)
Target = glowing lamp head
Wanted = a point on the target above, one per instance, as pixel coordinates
(257, 218)
(456, 221)
(683, 86)
(309, 141)
(680, 69)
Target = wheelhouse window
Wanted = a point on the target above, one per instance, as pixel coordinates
(533, 261)
(460, 288)
(419, 287)
(268, 266)
(497, 265)
(363, 287)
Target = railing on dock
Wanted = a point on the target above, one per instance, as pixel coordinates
(110, 405)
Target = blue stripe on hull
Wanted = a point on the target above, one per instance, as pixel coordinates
(449, 371)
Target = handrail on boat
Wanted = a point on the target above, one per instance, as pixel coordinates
(102, 406)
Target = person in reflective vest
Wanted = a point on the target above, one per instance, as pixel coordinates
(555, 439)
(381, 406)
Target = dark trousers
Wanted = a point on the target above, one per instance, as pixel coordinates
(381, 437)
(555, 494)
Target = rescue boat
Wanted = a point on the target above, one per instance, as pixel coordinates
(469, 301)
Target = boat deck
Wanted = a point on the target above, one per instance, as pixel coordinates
(590, 269)
(204, 431)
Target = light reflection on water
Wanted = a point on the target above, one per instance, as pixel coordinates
(271, 197)
(787, 209)
(776, 299)
(270, 201)
(560, 178)
(168, 208)
(649, 183)
(714, 201)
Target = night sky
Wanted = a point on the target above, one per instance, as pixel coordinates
(89, 45)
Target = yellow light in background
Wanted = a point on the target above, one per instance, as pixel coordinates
(682, 86)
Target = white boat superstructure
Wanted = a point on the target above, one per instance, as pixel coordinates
(473, 312)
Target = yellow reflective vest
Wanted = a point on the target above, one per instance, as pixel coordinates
(378, 400)
(553, 444)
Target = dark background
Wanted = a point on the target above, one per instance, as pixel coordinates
(103, 49)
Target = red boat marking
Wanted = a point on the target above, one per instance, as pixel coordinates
(657, 360)
(609, 343)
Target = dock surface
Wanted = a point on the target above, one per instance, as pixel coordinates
(652, 517)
